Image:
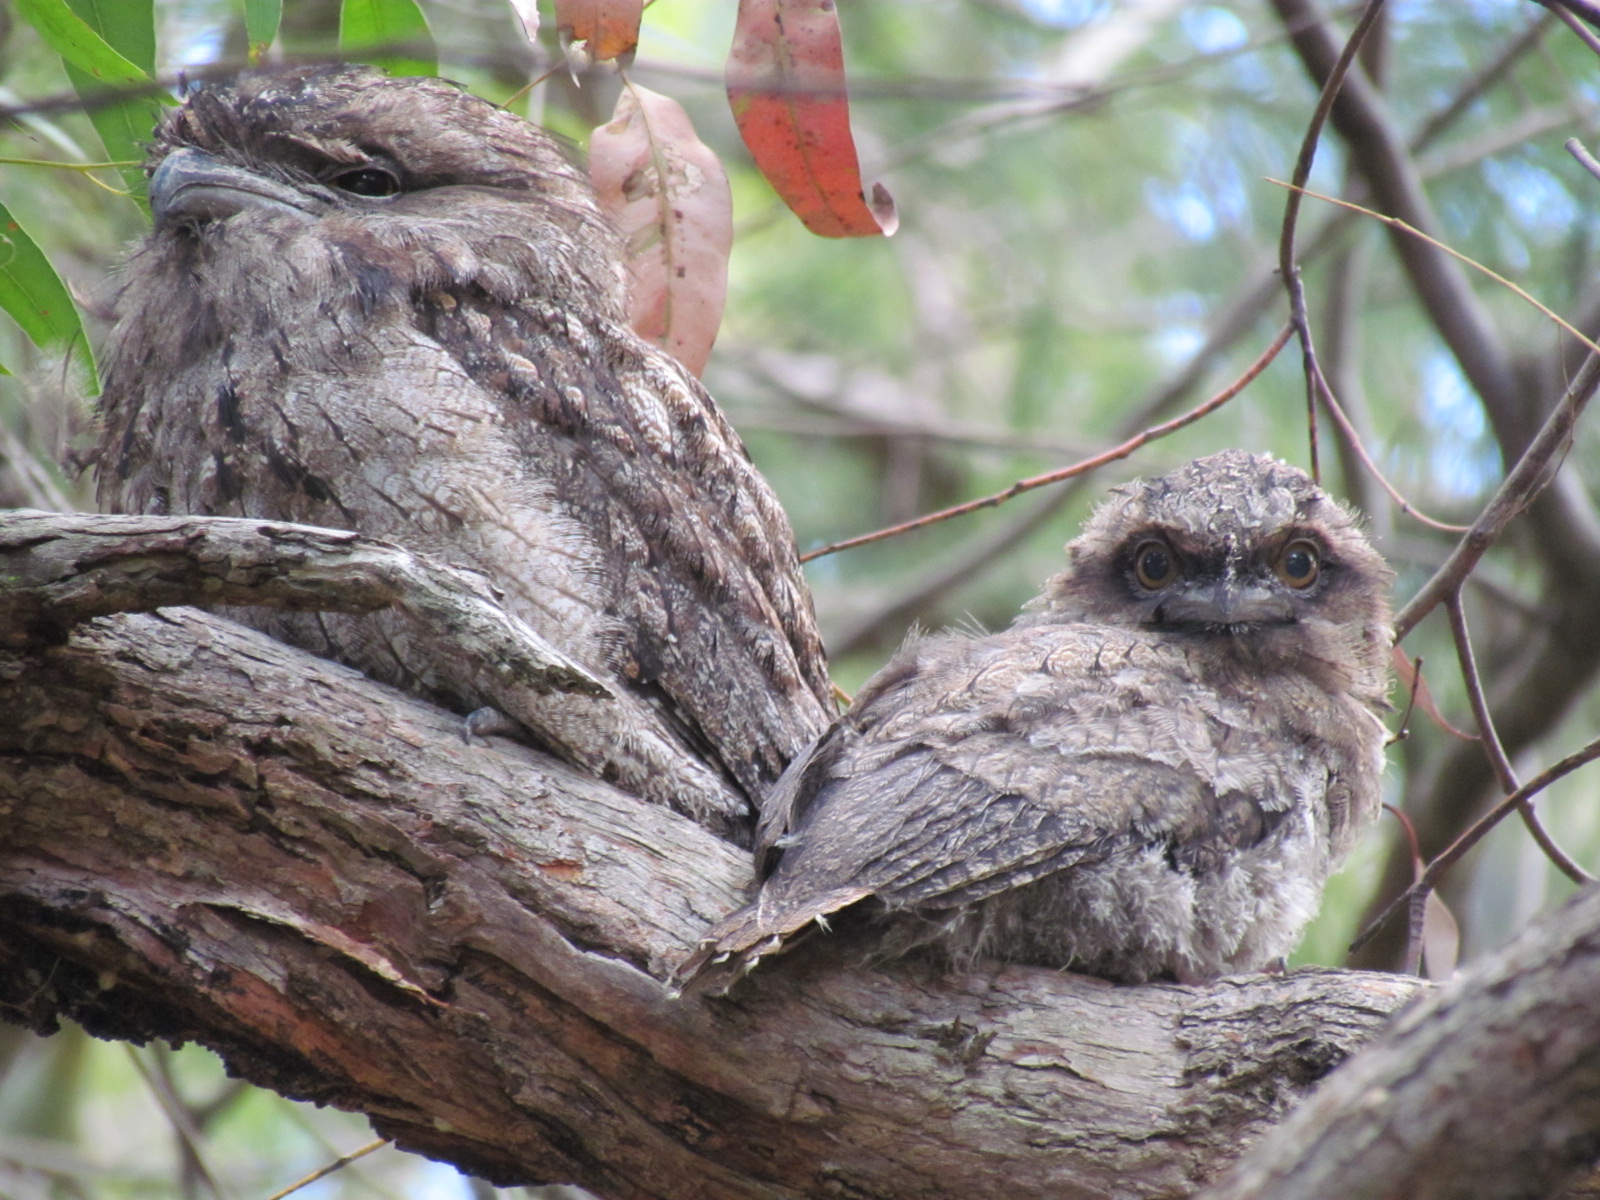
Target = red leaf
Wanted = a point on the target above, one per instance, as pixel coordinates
(607, 28)
(787, 90)
(669, 196)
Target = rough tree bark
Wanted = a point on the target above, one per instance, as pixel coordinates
(208, 836)
(1488, 1087)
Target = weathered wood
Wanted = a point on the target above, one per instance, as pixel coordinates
(1488, 1089)
(205, 835)
(61, 568)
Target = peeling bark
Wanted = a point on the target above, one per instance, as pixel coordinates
(62, 568)
(208, 836)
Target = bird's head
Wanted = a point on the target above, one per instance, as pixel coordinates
(1240, 552)
(413, 181)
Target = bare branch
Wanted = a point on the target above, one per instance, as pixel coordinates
(1568, 11)
(1499, 761)
(1288, 267)
(1586, 160)
(1122, 450)
(1515, 493)
(1473, 835)
(1353, 438)
(1397, 224)
(1381, 155)
(338, 1164)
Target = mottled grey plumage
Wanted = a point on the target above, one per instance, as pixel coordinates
(386, 305)
(1149, 775)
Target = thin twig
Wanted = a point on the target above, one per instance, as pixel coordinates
(336, 1165)
(1324, 238)
(1287, 267)
(530, 85)
(182, 1124)
(1586, 160)
(66, 166)
(1489, 735)
(1421, 696)
(1079, 468)
(1586, 9)
(87, 170)
(1475, 833)
(1565, 10)
(1403, 728)
(1403, 227)
(1524, 482)
(1349, 430)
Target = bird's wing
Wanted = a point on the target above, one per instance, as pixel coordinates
(1009, 758)
(712, 608)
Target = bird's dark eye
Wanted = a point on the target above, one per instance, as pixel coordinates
(366, 181)
(1300, 564)
(1153, 565)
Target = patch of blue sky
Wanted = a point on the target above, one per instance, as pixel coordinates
(1212, 30)
(1462, 462)
(1486, 11)
(1209, 195)
(1184, 206)
(1538, 201)
(1180, 326)
(1248, 75)
(1175, 344)
(440, 1181)
(200, 30)
(1068, 14)
(1225, 186)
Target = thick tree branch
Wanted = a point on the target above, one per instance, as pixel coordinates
(1489, 1088)
(206, 835)
(61, 568)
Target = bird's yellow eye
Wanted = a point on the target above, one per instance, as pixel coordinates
(1154, 565)
(1300, 563)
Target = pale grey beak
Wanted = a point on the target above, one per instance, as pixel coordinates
(193, 186)
(1224, 603)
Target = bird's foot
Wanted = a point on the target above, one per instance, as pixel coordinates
(481, 722)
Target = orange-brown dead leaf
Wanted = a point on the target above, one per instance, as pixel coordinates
(1424, 698)
(1441, 939)
(598, 30)
(668, 194)
(787, 89)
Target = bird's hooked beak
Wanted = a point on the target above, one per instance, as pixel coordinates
(1225, 603)
(191, 186)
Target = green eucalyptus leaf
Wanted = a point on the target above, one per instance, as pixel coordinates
(392, 34)
(72, 37)
(261, 20)
(33, 294)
